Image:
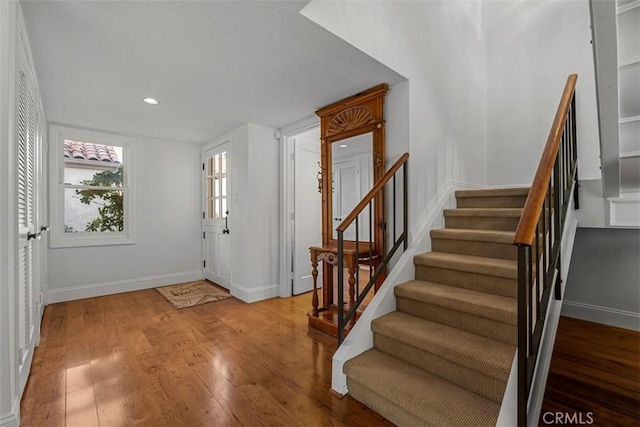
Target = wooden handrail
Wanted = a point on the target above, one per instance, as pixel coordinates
(371, 194)
(525, 233)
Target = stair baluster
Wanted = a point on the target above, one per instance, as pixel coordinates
(375, 264)
(555, 183)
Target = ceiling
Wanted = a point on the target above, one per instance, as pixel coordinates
(213, 65)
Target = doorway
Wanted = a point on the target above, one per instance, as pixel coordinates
(215, 216)
(307, 223)
(302, 203)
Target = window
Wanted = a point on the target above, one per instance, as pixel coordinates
(217, 186)
(91, 188)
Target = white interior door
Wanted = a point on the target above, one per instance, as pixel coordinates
(29, 196)
(307, 211)
(215, 216)
(346, 193)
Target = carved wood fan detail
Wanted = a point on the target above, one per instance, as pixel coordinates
(350, 118)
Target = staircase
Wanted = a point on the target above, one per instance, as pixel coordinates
(444, 357)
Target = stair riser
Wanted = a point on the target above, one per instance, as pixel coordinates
(383, 406)
(482, 223)
(492, 202)
(482, 384)
(473, 281)
(475, 248)
(482, 326)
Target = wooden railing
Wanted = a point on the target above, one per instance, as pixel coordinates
(377, 263)
(539, 236)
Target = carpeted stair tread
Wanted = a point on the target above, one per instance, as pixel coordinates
(428, 397)
(489, 236)
(494, 307)
(482, 354)
(474, 264)
(484, 212)
(493, 192)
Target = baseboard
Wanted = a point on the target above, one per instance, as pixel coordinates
(491, 187)
(470, 186)
(250, 295)
(460, 185)
(11, 419)
(442, 200)
(108, 288)
(603, 315)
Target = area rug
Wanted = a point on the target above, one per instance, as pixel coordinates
(191, 294)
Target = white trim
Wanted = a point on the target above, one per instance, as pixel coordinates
(444, 198)
(360, 338)
(553, 318)
(12, 419)
(627, 154)
(250, 295)
(287, 134)
(120, 286)
(224, 139)
(630, 204)
(605, 315)
(628, 62)
(628, 7)
(630, 119)
(60, 239)
(9, 39)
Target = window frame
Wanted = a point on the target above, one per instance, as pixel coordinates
(59, 238)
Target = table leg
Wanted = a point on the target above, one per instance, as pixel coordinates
(314, 298)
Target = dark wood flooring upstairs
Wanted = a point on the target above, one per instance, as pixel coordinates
(594, 377)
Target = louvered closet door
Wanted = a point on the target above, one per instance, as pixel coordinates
(26, 193)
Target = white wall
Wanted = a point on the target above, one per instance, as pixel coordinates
(396, 112)
(260, 269)
(254, 211)
(532, 46)
(604, 278)
(168, 235)
(439, 47)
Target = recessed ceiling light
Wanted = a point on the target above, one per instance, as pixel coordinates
(343, 145)
(151, 101)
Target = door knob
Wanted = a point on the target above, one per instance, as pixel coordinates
(31, 235)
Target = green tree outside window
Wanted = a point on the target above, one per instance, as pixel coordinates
(111, 213)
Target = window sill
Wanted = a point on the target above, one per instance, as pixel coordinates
(84, 241)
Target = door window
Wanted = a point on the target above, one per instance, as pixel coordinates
(216, 169)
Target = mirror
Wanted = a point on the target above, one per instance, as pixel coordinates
(352, 151)
(352, 175)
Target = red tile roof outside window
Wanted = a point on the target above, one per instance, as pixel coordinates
(90, 151)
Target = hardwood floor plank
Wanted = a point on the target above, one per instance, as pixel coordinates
(594, 370)
(81, 407)
(110, 403)
(133, 360)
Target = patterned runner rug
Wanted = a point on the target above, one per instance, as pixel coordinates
(190, 294)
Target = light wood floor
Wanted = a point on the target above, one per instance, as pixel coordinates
(133, 360)
(594, 369)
